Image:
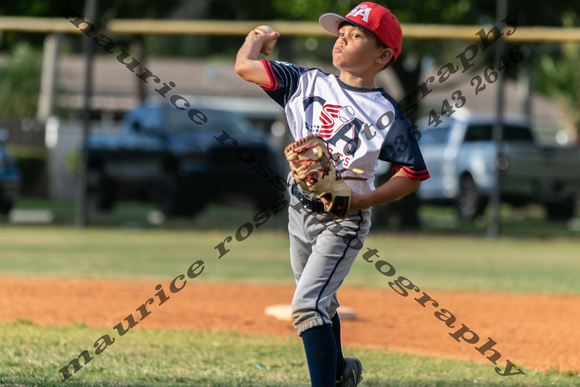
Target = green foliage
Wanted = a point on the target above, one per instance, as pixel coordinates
(311, 9)
(110, 8)
(561, 80)
(137, 9)
(558, 76)
(20, 82)
(106, 10)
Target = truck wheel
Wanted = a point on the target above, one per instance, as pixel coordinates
(173, 200)
(5, 207)
(100, 195)
(560, 211)
(167, 194)
(470, 204)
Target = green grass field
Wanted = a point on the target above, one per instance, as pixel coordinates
(433, 262)
(32, 355)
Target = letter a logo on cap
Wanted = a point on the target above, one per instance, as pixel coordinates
(361, 10)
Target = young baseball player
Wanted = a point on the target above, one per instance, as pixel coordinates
(360, 124)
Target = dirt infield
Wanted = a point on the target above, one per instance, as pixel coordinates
(532, 331)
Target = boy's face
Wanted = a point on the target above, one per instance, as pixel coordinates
(356, 51)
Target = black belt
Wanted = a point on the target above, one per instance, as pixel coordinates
(309, 202)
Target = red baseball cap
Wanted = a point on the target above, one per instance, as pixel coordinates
(372, 18)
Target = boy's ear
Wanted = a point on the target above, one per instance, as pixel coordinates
(385, 56)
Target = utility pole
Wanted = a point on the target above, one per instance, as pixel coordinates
(82, 214)
(140, 53)
(48, 82)
(494, 223)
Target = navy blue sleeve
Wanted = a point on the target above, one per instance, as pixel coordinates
(401, 149)
(284, 79)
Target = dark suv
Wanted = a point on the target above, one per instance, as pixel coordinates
(161, 155)
(9, 177)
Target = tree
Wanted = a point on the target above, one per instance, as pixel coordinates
(20, 75)
(20, 82)
(558, 76)
(108, 9)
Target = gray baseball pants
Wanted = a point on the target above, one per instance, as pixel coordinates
(322, 251)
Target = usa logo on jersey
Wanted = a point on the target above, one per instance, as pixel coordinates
(327, 118)
(333, 117)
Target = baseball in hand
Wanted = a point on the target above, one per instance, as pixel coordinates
(268, 47)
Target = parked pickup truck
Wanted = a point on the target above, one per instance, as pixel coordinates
(461, 158)
(160, 155)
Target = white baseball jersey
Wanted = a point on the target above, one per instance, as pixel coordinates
(360, 126)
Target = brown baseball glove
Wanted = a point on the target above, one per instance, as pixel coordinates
(314, 170)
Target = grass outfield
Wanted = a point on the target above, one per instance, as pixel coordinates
(33, 355)
(432, 262)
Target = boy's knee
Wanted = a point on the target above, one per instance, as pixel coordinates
(306, 317)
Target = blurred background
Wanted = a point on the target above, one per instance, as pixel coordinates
(126, 156)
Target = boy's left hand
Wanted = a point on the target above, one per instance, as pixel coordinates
(355, 202)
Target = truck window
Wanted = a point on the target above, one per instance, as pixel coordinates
(145, 120)
(510, 133)
(434, 136)
(478, 133)
(179, 121)
(517, 133)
